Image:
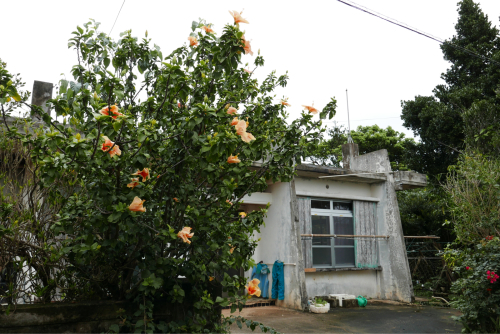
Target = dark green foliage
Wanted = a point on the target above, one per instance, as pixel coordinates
(479, 298)
(474, 189)
(173, 120)
(425, 212)
(450, 118)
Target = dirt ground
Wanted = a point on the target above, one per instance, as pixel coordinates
(374, 318)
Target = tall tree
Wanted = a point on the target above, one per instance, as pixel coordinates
(443, 120)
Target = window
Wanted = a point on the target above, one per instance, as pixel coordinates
(332, 217)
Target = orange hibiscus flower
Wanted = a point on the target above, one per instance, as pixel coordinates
(207, 29)
(311, 109)
(114, 111)
(137, 205)
(144, 173)
(134, 183)
(237, 17)
(175, 200)
(211, 278)
(253, 288)
(231, 110)
(233, 159)
(193, 41)
(108, 147)
(235, 121)
(228, 201)
(247, 137)
(247, 47)
(232, 249)
(184, 234)
(285, 102)
(241, 128)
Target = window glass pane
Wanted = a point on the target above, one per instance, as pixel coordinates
(343, 225)
(321, 225)
(315, 204)
(322, 256)
(342, 206)
(344, 256)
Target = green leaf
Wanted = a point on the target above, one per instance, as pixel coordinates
(114, 328)
(194, 25)
(106, 62)
(117, 126)
(119, 94)
(16, 96)
(63, 86)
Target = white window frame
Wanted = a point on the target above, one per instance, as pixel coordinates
(333, 213)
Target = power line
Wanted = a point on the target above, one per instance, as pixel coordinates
(356, 120)
(116, 18)
(405, 26)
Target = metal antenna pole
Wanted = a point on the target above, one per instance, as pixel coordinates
(349, 138)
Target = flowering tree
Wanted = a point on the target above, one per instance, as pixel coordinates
(162, 150)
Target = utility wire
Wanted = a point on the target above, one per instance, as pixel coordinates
(116, 18)
(355, 120)
(405, 26)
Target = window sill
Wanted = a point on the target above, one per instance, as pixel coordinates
(314, 270)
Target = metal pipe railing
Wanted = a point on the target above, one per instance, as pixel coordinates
(344, 236)
(422, 237)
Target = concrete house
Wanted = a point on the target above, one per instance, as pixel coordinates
(358, 200)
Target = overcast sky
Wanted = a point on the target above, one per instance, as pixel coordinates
(326, 46)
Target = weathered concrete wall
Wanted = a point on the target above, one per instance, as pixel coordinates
(363, 282)
(395, 278)
(280, 240)
(42, 92)
(331, 188)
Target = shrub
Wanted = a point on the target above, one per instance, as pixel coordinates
(474, 190)
(160, 158)
(477, 288)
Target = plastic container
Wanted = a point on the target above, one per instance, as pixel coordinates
(319, 309)
(362, 301)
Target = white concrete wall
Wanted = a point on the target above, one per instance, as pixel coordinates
(362, 282)
(278, 243)
(395, 277)
(336, 189)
